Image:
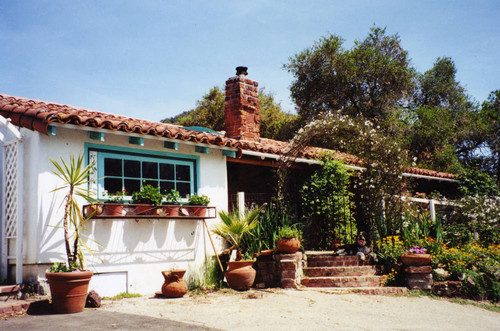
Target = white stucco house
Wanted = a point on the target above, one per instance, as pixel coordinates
(127, 152)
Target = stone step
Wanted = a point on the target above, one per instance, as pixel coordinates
(360, 290)
(340, 271)
(347, 281)
(329, 260)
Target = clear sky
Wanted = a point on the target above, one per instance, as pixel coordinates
(153, 59)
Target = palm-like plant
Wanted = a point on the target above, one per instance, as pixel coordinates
(75, 177)
(235, 226)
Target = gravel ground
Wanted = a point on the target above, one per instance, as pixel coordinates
(278, 309)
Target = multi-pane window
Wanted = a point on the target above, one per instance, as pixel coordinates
(121, 171)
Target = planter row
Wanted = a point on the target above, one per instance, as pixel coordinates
(120, 210)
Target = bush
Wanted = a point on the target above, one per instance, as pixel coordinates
(327, 205)
(289, 232)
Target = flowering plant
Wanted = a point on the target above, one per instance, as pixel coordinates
(417, 250)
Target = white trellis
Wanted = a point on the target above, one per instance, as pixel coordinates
(11, 202)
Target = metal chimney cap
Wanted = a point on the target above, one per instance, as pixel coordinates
(241, 71)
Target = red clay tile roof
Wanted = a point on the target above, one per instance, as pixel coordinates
(38, 115)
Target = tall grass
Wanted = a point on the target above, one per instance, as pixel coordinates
(265, 234)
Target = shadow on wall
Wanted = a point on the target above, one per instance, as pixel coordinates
(142, 241)
(50, 237)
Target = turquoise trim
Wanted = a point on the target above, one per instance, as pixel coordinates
(51, 130)
(171, 145)
(229, 153)
(203, 129)
(99, 136)
(136, 141)
(143, 155)
(201, 149)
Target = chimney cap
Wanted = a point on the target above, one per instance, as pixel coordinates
(241, 71)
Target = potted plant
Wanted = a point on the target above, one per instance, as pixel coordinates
(69, 281)
(416, 256)
(114, 203)
(146, 199)
(289, 239)
(198, 205)
(171, 205)
(234, 226)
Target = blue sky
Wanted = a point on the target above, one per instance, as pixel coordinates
(154, 59)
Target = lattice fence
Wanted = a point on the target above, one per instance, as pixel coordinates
(10, 189)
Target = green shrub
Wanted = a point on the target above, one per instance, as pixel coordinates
(148, 195)
(289, 232)
(200, 200)
(327, 205)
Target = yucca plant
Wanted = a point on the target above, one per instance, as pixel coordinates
(75, 177)
(235, 226)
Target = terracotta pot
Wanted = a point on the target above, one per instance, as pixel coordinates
(174, 286)
(288, 245)
(416, 259)
(143, 209)
(172, 210)
(240, 275)
(199, 211)
(92, 210)
(113, 209)
(68, 290)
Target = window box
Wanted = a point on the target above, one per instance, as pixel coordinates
(129, 211)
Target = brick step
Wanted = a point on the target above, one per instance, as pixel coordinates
(348, 281)
(9, 290)
(328, 260)
(378, 290)
(340, 271)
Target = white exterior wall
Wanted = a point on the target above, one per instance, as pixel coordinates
(133, 252)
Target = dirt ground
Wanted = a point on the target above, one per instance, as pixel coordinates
(278, 309)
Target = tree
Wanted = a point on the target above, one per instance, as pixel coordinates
(490, 115)
(373, 79)
(445, 128)
(209, 113)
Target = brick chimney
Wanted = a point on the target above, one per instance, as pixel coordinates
(241, 108)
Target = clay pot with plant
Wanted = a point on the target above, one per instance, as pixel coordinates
(289, 239)
(146, 199)
(171, 205)
(114, 203)
(234, 226)
(197, 205)
(69, 281)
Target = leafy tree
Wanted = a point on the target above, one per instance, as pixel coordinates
(209, 113)
(445, 126)
(372, 79)
(490, 115)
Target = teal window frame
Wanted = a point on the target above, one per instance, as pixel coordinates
(124, 153)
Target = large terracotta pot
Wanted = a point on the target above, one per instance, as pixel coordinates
(416, 259)
(288, 245)
(174, 286)
(68, 290)
(240, 275)
(113, 209)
